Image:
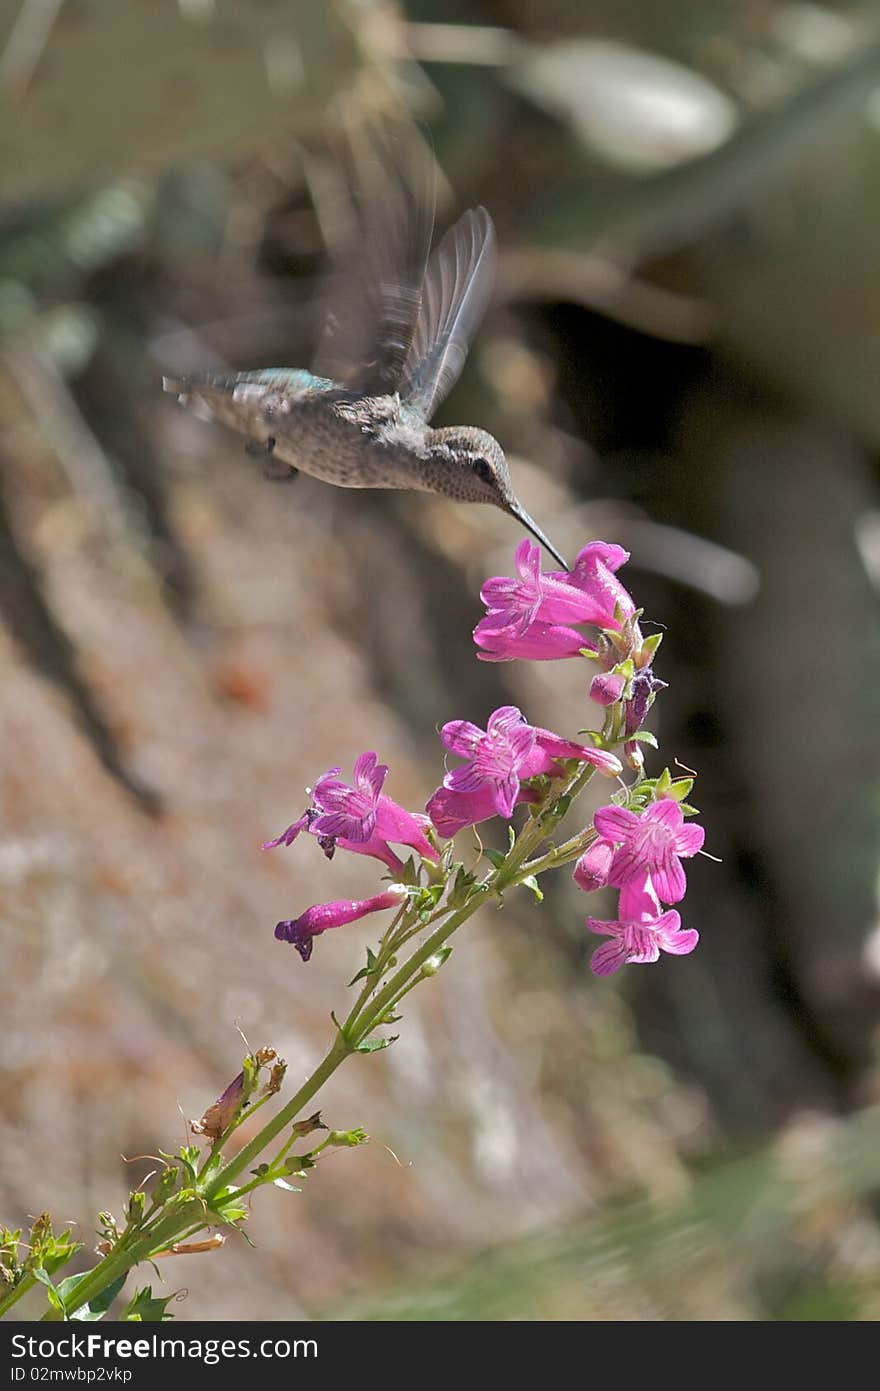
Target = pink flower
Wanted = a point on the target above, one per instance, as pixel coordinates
(348, 811)
(549, 748)
(531, 616)
(317, 919)
(494, 755)
(594, 574)
(653, 843)
(359, 817)
(498, 760)
(592, 869)
(452, 811)
(542, 642)
(640, 932)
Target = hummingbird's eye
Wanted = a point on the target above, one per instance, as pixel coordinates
(483, 470)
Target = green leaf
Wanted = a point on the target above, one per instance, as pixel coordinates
(55, 1300)
(144, 1308)
(644, 736)
(96, 1308)
(375, 1045)
(495, 857)
(530, 882)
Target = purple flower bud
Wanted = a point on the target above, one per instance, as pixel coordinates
(591, 870)
(645, 686)
(322, 916)
(607, 687)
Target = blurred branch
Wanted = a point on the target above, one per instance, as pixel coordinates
(26, 43)
(655, 214)
(596, 283)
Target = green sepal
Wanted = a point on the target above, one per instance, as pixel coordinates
(461, 887)
(495, 857)
(410, 875)
(367, 970)
(650, 646)
(663, 784)
(688, 810)
(298, 1164)
(680, 788)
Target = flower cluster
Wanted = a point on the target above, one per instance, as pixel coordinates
(641, 856)
(636, 843)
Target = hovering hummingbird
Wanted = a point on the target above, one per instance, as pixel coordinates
(396, 338)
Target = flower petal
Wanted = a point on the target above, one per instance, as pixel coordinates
(669, 880)
(616, 823)
(609, 958)
(689, 839)
(666, 812)
(462, 737)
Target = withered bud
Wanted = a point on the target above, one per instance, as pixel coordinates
(264, 1056)
(276, 1077)
(192, 1248)
(223, 1112)
(306, 1127)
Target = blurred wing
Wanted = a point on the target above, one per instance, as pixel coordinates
(457, 290)
(375, 295)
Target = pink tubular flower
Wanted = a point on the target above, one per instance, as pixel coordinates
(640, 932)
(317, 919)
(359, 817)
(650, 843)
(452, 811)
(498, 760)
(542, 642)
(549, 748)
(592, 869)
(531, 616)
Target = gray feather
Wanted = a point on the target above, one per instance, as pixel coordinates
(376, 292)
(457, 290)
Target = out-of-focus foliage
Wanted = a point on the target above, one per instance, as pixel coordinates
(681, 358)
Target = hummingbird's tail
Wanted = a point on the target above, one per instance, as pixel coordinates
(515, 510)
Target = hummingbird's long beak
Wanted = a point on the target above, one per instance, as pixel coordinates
(515, 510)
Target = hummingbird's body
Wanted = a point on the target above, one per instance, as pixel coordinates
(409, 321)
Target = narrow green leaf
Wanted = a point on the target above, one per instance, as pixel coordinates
(530, 882)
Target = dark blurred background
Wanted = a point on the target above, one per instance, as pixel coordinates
(682, 357)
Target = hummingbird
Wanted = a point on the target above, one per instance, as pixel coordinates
(398, 326)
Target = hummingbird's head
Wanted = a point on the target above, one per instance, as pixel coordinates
(469, 464)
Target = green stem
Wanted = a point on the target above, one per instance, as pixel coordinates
(363, 1018)
(26, 1283)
